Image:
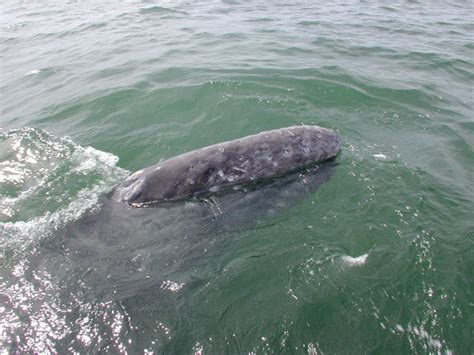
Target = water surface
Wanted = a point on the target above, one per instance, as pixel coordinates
(376, 255)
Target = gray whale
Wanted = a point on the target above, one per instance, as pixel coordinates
(265, 155)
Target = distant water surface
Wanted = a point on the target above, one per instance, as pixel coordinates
(374, 255)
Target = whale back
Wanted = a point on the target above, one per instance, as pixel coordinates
(261, 156)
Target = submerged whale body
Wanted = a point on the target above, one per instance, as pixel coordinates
(257, 157)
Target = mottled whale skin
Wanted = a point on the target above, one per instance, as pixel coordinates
(261, 156)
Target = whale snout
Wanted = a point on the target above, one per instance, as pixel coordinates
(131, 189)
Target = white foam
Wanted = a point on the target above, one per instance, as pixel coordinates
(171, 286)
(89, 159)
(357, 261)
(33, 72)
(42, 184)
(380, 156)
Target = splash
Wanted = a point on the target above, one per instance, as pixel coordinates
(46, 182)
(355, 261)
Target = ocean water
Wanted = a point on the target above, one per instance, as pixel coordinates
(372, 254)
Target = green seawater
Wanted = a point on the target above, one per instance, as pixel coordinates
(378, 257)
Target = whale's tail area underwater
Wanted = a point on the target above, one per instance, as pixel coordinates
(254, 158)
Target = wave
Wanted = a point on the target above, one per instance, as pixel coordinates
(46, 182)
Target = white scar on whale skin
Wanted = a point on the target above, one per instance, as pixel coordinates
(239, 169)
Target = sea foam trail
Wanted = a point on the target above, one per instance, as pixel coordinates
(46, 182)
